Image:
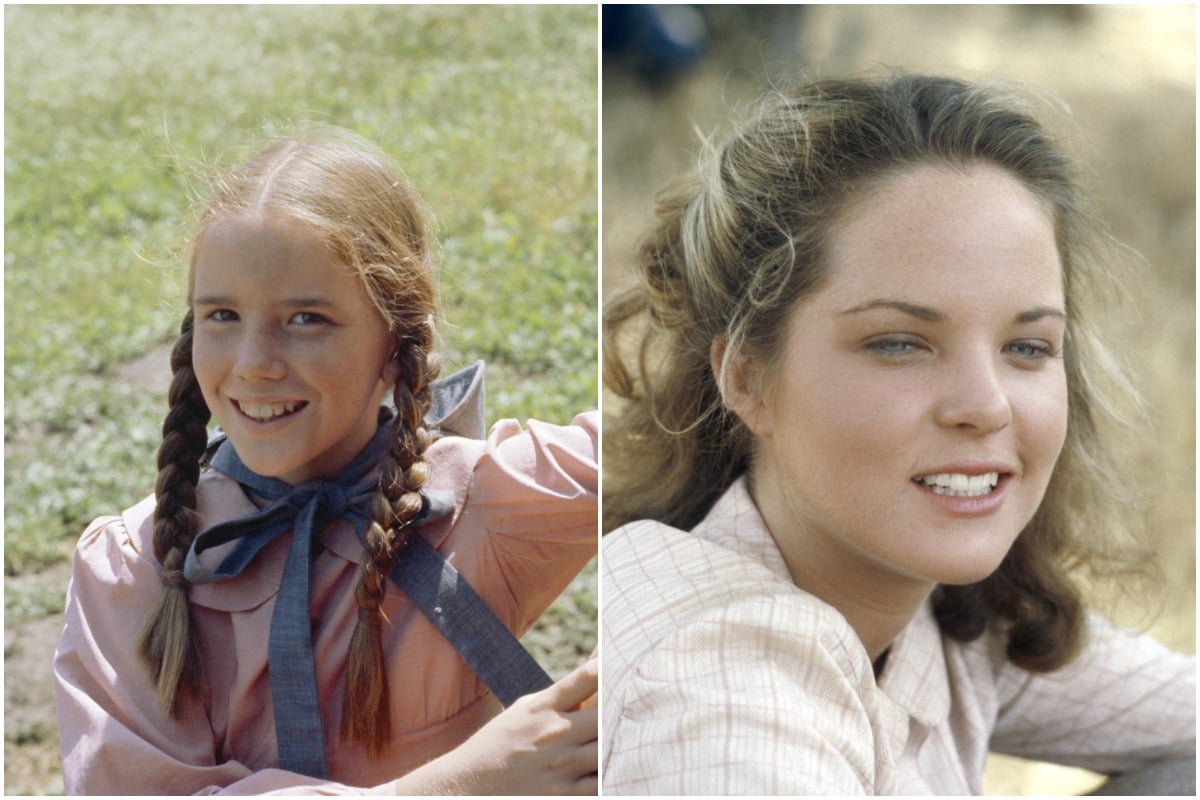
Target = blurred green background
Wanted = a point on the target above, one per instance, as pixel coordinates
(1125, 81)
(112, 117)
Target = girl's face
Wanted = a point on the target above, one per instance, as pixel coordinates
(921, 403)
(289, 351)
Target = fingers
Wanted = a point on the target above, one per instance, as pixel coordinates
(588, 785)
(584, 727)
(577, 687)
(582, 769)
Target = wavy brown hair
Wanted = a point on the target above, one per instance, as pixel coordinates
(740, 242)
(362, 206)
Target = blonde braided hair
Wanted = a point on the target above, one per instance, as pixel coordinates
(166, 642)
(361, 205)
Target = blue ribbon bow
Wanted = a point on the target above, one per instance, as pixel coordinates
(306, 509)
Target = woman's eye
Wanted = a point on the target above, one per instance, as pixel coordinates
(1032, 351)
(892, 347)
(223, 315)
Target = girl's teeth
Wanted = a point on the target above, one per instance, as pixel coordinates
(960, 485)
(267, 411)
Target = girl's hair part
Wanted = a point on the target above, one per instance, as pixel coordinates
(354, 198)
(741, 242)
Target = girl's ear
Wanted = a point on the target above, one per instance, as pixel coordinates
(740, 381)
(391, 370)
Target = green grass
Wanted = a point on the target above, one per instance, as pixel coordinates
(110, 111)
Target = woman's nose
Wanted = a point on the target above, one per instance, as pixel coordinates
(259, 355)
(973, 396)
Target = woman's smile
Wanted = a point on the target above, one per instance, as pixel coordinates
(958, 484)
(964, 495)
(919, 404)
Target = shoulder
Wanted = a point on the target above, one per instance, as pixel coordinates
(115, 582)
(716, 670)
(113, 544)
(727, 570)
(649, 562)
(664, 586)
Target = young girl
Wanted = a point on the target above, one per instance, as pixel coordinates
(859, 475)
(241, 631)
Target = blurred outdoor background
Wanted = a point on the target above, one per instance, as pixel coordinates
(113, 113)
(1127, 77)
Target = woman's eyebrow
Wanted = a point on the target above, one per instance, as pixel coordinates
(1034, 314)
(920, 312)
(930, 314)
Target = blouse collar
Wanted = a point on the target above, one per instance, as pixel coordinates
(915, 677)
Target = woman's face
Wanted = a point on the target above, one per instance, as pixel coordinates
(921, 399)
(288, 349)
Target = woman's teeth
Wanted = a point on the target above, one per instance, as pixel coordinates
(266, 411)
(960, 485)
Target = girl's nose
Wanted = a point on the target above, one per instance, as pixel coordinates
(974, 397)
(259, 355)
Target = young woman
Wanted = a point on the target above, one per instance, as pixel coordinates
(858, 467)
(244, 629)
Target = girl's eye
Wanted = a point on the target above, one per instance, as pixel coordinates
(307, 318)
(223, 315)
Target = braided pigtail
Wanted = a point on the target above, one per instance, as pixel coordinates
(166, 643)
(366, 717)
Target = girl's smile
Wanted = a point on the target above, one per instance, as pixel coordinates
(263, 411)
(289, 351)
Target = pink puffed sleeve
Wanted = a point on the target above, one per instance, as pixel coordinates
(529, 523)
(114, 739)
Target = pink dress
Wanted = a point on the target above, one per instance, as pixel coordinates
(524, 524)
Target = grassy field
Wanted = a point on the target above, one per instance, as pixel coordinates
(114, 114)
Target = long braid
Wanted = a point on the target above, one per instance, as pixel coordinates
(366, 717)
(166, 643)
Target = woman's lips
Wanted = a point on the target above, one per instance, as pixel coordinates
(959, 484)
(984, 492)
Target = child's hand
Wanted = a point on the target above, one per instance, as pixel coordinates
(545, 743)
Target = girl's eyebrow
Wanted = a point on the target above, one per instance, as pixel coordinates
(211, 300)
(293, 302)
(309, 302)
(929, 314)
